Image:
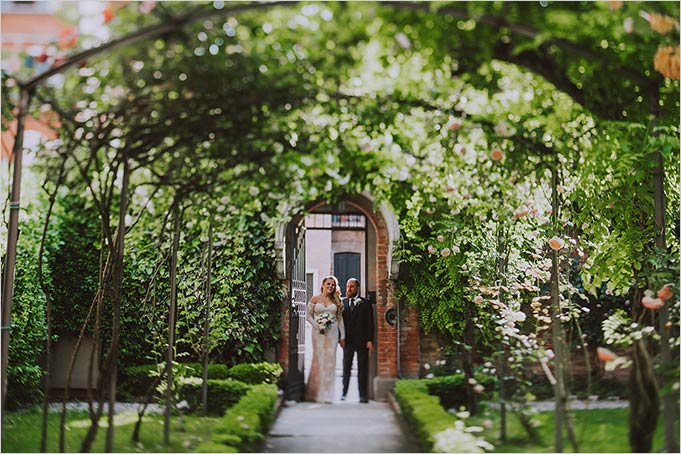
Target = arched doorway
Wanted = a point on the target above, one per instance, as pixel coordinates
(377, 269)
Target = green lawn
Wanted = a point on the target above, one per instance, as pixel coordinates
(21, 432)
(596, 431)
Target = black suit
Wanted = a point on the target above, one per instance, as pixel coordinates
(359, 329)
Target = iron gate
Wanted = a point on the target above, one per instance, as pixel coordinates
(296, 362)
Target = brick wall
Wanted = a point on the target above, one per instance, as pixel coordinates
(430, 349)
(410, 342)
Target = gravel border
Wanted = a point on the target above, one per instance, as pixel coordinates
(121, 407)
(549, 405)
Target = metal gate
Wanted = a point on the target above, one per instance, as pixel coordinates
(296, 352)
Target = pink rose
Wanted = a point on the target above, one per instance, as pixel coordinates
(605, 355)
(556, 243)
(652, 303)
(455, 124)
(665, 292)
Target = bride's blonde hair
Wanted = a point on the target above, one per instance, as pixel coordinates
(335, 297)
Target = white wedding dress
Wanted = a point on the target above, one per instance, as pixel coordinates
(320, 383)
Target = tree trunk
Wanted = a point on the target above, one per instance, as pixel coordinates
(140, 414)
(48, 307)
(644, 402)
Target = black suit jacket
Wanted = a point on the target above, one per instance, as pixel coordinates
(359, 323)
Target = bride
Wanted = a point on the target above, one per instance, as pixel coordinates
(324, 313)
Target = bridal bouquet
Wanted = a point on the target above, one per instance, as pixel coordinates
(324, 320)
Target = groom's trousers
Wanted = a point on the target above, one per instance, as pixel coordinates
(362, 368)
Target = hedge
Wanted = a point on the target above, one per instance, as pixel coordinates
(422, 411)
(135, 380)
(246, 423)
(222, 394)
(451, 389)
(255, 373)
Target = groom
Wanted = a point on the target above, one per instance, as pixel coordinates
(358, 317)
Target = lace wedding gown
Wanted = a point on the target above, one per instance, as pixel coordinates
(320, 383)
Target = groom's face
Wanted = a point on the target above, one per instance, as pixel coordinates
(351, 289)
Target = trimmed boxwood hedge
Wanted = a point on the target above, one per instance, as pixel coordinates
(422, 411)
(135, 380)
(451, 389)
(222, 394)
(255, 373)
(246, 423)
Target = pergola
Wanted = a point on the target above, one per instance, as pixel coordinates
(550, 59)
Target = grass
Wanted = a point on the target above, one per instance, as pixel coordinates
(21, 432)
(596, 431)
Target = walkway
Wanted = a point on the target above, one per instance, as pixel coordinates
(339, 427)
(344, 426)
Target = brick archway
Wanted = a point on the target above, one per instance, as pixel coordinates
(397, 345)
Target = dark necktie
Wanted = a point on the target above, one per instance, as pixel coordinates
(352, 304)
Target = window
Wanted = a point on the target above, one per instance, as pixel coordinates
(27, 7)
(335, 221)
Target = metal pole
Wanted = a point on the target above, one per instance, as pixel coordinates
(206, 322)
(556, 324)
(669, 405)
(171, 324)
(118, 297)
(501, 273)
(12, 237)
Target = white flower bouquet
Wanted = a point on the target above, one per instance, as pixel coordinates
(324, 320)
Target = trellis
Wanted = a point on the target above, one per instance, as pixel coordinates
(539, 60)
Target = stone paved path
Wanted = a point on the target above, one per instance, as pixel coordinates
(339, 427)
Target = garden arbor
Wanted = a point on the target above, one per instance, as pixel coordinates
(252, 116)
(394, 356)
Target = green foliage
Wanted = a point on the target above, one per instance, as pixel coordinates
(246, 423)
(21, 432)
(451, 389)
(256, 373)
(597, 430)
(28, 326)
(135, 380)
(243, 119)
(222, 394)
(244, 308)
(74, 262)
(422, 411)
(214, 446)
